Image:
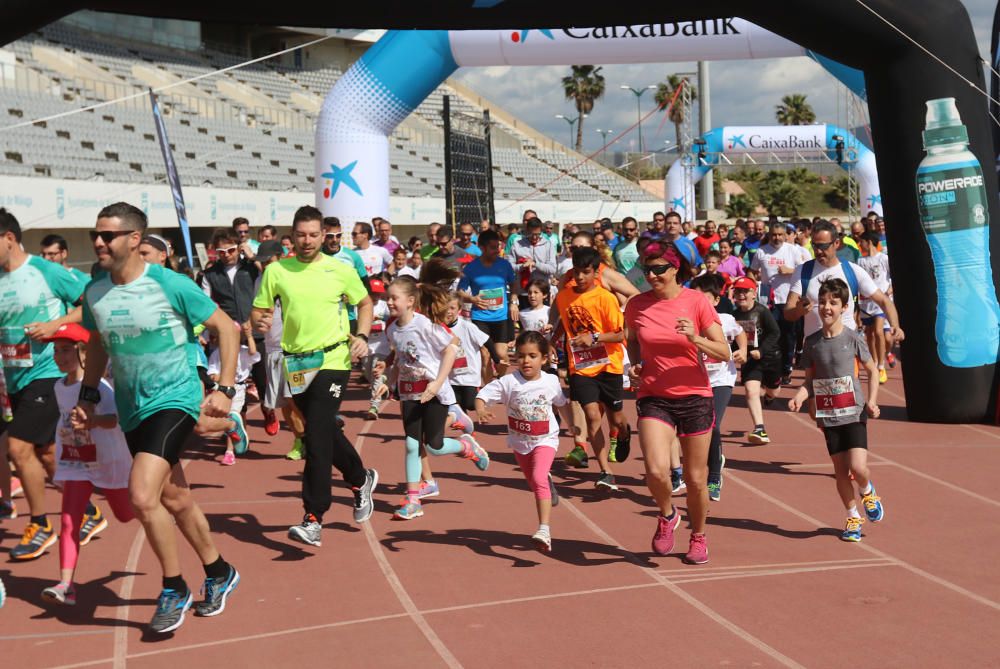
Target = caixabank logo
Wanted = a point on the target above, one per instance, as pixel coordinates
(703, 28)
(756, 142)
(520, 36)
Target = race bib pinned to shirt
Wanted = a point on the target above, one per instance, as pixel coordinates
(590, 356)
(750, 328)
(412, 390)
(78, 448)
(300, 370)
(493, 298)
(530, 428)
(835, 397)
(15, 347)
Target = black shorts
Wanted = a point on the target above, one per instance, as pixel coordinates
(36, 414)
(841, 438)
(163, 434)
(605, 388)
(501, 332)
(768, 372)
(689, 416)
(465, 397)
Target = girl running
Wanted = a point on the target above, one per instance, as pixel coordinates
(467, 372)
(536, 319)
(89, 453)
(532, 430)
(424, 354)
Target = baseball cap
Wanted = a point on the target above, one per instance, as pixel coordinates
(72, 332)
(270, 248)
(745, 283)
(377, 285)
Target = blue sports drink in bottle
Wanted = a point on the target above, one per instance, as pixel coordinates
(954, 213)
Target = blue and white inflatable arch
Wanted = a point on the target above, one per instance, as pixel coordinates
(399, 71)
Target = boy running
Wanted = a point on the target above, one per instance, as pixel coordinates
(763, 364)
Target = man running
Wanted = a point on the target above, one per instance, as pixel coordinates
(626, 254)
(376, 258)
(144, 315)
(55, 249)
(485, 283)
(318, 353)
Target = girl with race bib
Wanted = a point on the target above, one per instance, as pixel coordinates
(532, 431)
(423, 354)
(89, 454)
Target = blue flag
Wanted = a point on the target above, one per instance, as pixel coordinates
(172, 178)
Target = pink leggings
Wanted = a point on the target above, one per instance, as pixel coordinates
(536, 466)
(74, 503)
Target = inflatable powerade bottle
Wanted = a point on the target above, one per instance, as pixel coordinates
(954, 213)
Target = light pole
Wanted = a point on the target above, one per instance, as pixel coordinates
(638, 93)
(572, 122)
(604, 141)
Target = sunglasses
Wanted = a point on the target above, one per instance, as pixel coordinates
(226, 251)
(336, 235)
(656, 270)
(631, 229)
(108, 236)
(822, 246)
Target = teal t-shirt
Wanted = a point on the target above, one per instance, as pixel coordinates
(146, 328)
(626, 255)
(37, 291)
(80, 276)
(350, 257)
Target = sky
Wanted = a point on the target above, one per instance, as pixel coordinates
(535, 94)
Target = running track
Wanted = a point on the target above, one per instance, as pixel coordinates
(461, 586)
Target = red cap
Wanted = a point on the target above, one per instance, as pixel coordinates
(377, 285)
(745, 283)
(71, 332)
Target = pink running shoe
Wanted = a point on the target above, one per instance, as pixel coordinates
(16, 490)
(229, 458)
(663, 540)
(697, 550)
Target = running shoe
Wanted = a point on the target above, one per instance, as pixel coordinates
(363, 504)
(873, 506)
(677, 482)
(308, 531)
(852, 531)
(606, 481)
(61, 593)
(428, 489)
(35, 541)
(271, 423)
(298, 450)
(8, 510)
(91, 526)
(553, 492)
(577, 457)
(622, 445)
(758, 436)
(238, 435)
(170, 610)
(229, 459)
(16, 489)
(372, 414)
(883, 376)
(786, 379)
(542, 540)
(697, 549)
(3, 594)
(473, 451)
(410, 509)
(663, 539)
(891, 360)
(217, 591)
(714, 491)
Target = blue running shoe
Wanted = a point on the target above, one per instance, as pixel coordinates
(217, 591)
(873, 506)
(473, 451)
(170, 610)
(428, 489)
(238, 435)
(852, 531)
(411, 509)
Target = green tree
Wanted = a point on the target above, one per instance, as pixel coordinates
(781, 197)
(794, 110)
(665, 93)
(837, 196)
(748, 176)
(739, 206)
(802, 176)
(584, 86)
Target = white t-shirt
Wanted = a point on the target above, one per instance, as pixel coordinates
(243, 363)
(468, 367)
(419, 346)
(410, 271)
(866, 287)
(99, 456)
(877, 266)
(375, 258)
(530, 420)
(768, 260)
(378, 343)
(534, 320)
(272, 338)
(724, 373)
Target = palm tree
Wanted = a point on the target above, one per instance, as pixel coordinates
(665, 93)
(584, 86)
(794, 110)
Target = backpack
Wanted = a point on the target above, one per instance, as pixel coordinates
(852, 279)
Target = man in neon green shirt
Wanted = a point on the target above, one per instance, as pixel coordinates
(318, 350)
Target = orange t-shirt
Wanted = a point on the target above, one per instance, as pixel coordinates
(598, 311)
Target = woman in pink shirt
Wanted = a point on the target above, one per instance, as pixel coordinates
(730, 264)
(667, 329)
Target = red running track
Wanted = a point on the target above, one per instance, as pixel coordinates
(461, 586)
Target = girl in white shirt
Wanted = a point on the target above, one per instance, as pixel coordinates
(424, 352)
(467, 372)
(532, 430)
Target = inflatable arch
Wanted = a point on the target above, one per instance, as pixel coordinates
(736, 140)
(938, 200)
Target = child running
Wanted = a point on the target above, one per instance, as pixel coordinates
(467, 372)
(237, 442)
(536, 319)
(424, 352)
(763, 364)
(378, 348)
(831, 360)
(89, 453)
(532, 429)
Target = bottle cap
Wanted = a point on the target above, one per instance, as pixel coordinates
(943, 124)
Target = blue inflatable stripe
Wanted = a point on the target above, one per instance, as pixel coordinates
(411, 63)
(850, 77)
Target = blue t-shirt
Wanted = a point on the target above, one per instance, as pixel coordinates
(146, 328)
(37, 291)
(473, 250)
(690, 251)
(489, 283)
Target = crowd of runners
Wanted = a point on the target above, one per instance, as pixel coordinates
(548, 328)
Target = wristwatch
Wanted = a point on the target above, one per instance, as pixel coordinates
(362, 335)
(89, 394)
(595, 336)
(228, 391)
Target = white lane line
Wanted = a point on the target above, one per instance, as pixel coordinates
(825, 465)
(696, 603)
(778, 572)
(775, 565)
(397, 586)
(980, 430)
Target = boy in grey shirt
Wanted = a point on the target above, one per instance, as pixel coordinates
(831, 359)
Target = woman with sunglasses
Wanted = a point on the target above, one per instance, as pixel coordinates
(667, 329)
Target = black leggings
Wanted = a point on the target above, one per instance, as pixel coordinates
(425, 422)
(326, 445)
(721, 395)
